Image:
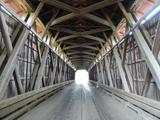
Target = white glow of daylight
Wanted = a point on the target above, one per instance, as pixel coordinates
(5, 10)
(82, 77)
(154, 12)
(130, 33)
(143, 21)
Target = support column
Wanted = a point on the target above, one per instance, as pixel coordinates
(16, 30)
(36, 66)
(55, 68)
(38, 82)
(121, 71)
(98, 75)
(102, 73)
(64, 72)
(60, 72)
(108, 72)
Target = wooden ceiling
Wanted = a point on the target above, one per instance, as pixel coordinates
(80, 26)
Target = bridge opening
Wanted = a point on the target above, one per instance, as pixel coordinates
(82, 77)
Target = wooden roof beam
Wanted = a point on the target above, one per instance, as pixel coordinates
(85, 36)
(98, 6)
(86, 43)
(88, 16)
(84, 52)
(82, 59)
(82, 11)
(97, 19)
(80, 46)
(84, 56)
(61, 5)
(63, 18)
(93, 31)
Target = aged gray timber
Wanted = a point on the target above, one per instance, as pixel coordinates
(77, 102)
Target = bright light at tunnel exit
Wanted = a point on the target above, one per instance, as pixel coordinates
(82, 77)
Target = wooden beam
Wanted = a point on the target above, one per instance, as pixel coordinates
(97, 6)
(107, 40)
(77, 52)
(88, 16)
(97, 19)
(83, 56)
(155, 51)
(82, 11)
(9, 48)
(61, 5)
(36, 13)
(93, 31)
(38, 82)
(12, 60)
(121, 71)
(86, 43)
(114, 29)
(85, 36)
(67, 38)
(80, 46)
(65, 30)
(82, 59)
(64, 18)
(150, 59)
(93, 38)
(97, 30)
(54, 39)
(50, 21)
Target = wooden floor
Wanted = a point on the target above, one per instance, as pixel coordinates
(77, 102)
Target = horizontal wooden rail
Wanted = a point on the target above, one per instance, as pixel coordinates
(150, 106)
(16, 106)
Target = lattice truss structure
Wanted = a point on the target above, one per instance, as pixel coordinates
(103, 36)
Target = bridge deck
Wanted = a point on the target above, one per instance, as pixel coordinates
(77, 102)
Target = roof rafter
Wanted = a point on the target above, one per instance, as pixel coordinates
(83, 56)
(91, 37)
(88, 16)
(61, 5)
(93, 31)
(97, 19)
(63, 18)
(97, 6)
(80, 46)
(81, 59)
(82, 11)
(86, 43)
(84, 52)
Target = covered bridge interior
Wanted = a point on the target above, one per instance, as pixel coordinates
(43, 43)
